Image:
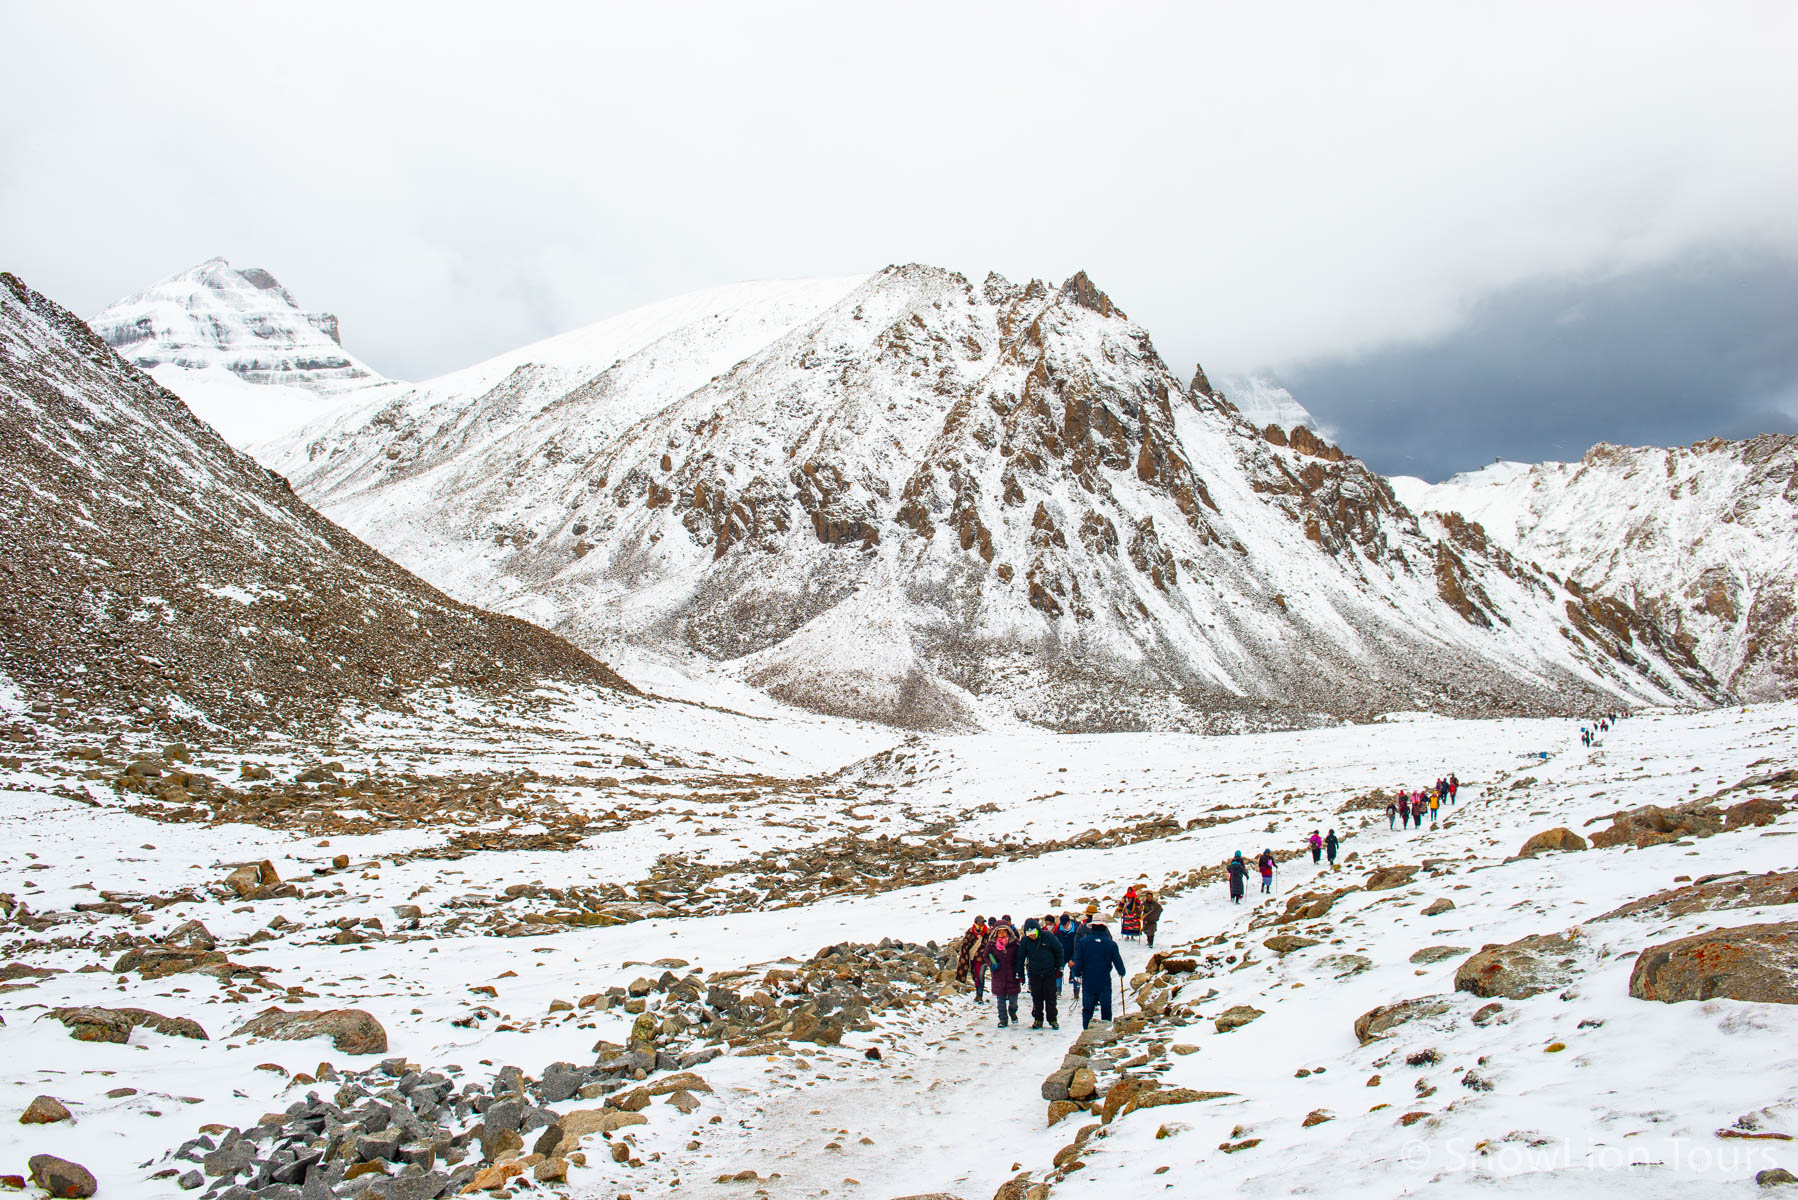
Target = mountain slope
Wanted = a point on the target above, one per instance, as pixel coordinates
(150, 570)
(1703, 537)
(934, 503)
(212, 330)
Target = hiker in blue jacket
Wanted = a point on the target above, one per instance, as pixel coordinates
(1094, 960)
(1068, 933)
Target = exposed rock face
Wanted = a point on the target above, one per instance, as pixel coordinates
(1738, 890)
(148, 569)
(351, 1030)
(1703, 539)
(1521, 969)
(919, 500)
(1748, 962)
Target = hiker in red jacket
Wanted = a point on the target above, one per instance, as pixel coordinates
(1002, 963)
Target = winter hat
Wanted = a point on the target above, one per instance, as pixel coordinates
(1092, 909)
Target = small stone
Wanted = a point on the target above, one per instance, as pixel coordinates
(1774, 1177)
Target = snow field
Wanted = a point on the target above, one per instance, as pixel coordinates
(953, 1103)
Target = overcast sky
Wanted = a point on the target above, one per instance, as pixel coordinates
(1382, 204)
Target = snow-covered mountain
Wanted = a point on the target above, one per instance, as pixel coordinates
(152, 573)
(917, 499)
(1260, 400)
(237, 347)
(1704, 538)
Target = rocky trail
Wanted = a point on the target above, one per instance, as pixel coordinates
(596, 966)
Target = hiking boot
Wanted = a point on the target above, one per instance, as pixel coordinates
(1036, 1024)
(1054, 1024)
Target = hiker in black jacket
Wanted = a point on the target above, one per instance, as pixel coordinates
(1040, 953)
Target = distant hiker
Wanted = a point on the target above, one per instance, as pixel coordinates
(1129, 912)
(1435, 803)
(1404, 811)
(1454, 787)
(1095, 959)
(1391, 814)
(1330, 845)
(1151, 915)
(1002, 962)
(1317, 846)
(1417, 811)
(1266, 865)
(970, 958)
(1239, 876)
(1041, 958)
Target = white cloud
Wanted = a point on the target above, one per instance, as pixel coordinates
(1258, 184)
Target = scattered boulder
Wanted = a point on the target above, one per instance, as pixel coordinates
(45, 1110)
(1437, 907)
(1285, 943)
(1434, 954)
(1561, 838)
(1774, 1177)
(1520, 969)
(1382, 879)
(1235, 1017)
(60, 1177)
(1343, 966)
(584, 1122)
(252, 876)
(191, 935)
(1377, 1022)
(351, 1030)
(1749, 962)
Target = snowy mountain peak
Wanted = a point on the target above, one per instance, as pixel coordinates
(914, 499)
(213, 315)
(1704, 537)
(238, 348)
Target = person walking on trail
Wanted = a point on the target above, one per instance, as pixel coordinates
(1391, 815)
(1404, 811)
(1454, 787)
(1129, 914)
(1039, 953)
(1067, 932)
(970, 958)
(1316, 842)
(1151, 916)
(1095, 959)
(1330, 847)
(1003, 965)
(1266, 865)
(1435, 803)
(1417, 812)
(1239, 878)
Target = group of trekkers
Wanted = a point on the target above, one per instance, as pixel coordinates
(1406, 808)
(1589, 734)
(1005, 958)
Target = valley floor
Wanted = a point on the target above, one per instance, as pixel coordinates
(756, 841)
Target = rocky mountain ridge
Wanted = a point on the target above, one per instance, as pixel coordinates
(927, 501)
(1703, 538)
(155, 576)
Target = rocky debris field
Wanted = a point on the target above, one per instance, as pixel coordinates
(438, 958)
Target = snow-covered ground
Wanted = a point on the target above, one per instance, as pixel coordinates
(953, 1103)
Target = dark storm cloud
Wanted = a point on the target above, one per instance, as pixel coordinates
(1703, 347)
